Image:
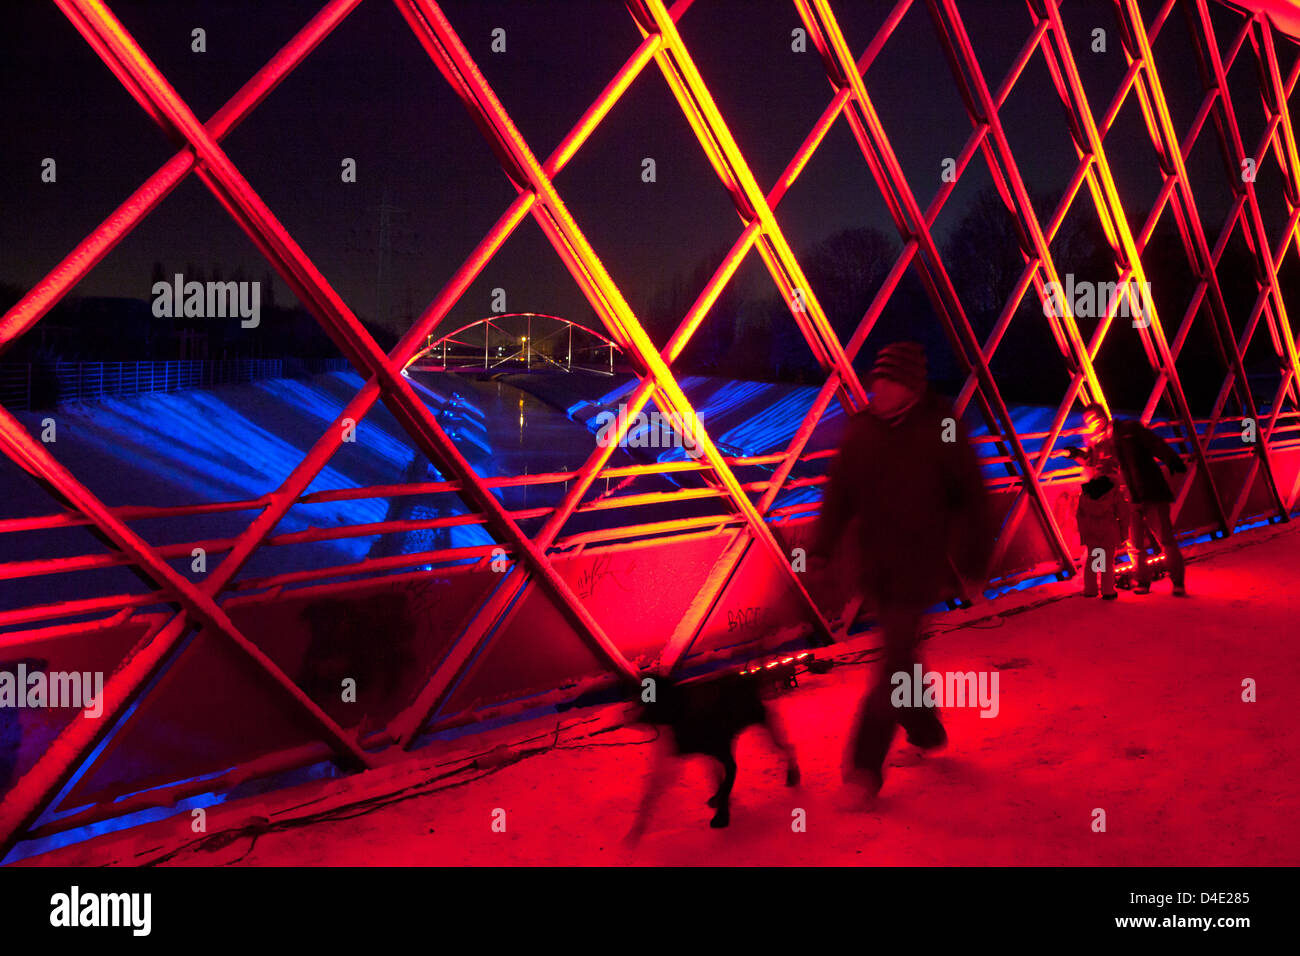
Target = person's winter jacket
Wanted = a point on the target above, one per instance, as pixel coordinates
(1138, 449)
(915, 502)
(1135, 450)
(1099, 458)
(1102, 514)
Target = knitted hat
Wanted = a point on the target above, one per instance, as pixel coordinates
(901, 362)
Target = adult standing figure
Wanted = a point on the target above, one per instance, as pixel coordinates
(908, 481)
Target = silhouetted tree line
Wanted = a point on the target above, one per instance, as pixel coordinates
(97, 328)
(750, 332)
(752, 335)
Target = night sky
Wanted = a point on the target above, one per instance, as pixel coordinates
(370, 92)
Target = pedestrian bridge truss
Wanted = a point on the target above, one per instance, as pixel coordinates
(216, 678)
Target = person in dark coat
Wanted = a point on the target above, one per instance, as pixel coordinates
(906, 487)
(1103, 517)
(1136, 450)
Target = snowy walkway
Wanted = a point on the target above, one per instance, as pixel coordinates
(1133, 706)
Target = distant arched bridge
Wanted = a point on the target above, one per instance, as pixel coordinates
(515, 340)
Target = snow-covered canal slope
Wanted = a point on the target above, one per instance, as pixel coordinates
(239, 443)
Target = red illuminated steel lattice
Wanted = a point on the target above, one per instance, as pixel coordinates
(197, 605)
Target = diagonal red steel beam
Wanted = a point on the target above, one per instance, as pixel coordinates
(1110, 208)
(469, 647)
(864, 326)
(1214, 93)
(305, 472)
(1039, 264)
(1214, 75)
(1030, 274)
(689, 628)
(1079, 137)
(1078, 133)
(59, 281)
(156, 648)
(757, 211)
(936, 278)
(449, 54)
(1251, 230)
(435, 691)
(1276, 94)
(731, 167)
(1085, 170)
(876, 148)
(888, 179)
(1006, 175)
(693, 619)
(1155, 108)
(711, 129)
(428, 702)
(1172, 192)
(125, 58)
(880, 300)
(40, 784)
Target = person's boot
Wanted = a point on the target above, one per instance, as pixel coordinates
(861, 789)
(722, 818)
(929, 735)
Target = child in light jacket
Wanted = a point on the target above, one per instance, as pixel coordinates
(1103, 519)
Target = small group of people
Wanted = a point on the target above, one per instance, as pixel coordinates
(908, 490)
(1124, 495)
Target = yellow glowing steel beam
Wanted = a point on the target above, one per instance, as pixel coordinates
(1155, 106)
(1235, 153)
(1160, 129)
(1082, 112)
(711, 129)
(1293, 171)
(1007, 175)
(700, 124)
(869, 133)
(455, 62)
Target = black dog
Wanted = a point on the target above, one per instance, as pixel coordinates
(705, 716)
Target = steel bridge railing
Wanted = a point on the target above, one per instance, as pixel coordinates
(749, 536)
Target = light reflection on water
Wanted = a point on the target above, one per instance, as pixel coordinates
(514, 433)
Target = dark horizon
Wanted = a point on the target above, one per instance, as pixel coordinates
(370, 93)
